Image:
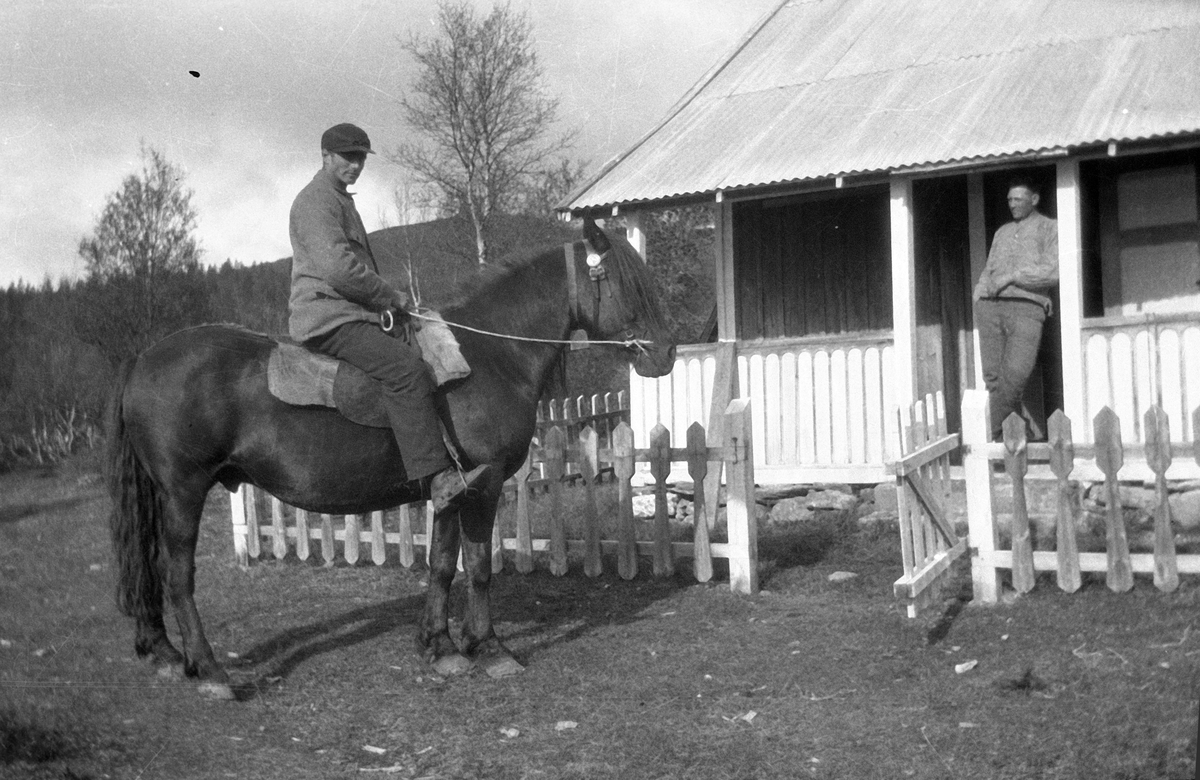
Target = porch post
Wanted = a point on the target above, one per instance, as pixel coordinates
(634, 233)
(1070, 287)
(904, 321)
(977, 240)
(723, 276)
(725, 377)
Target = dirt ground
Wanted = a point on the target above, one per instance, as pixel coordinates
(644, 679)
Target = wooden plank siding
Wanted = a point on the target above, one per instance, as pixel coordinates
(812, 264)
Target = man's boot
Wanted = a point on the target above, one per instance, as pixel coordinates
(449, 486)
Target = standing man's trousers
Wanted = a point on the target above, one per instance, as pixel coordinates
(1010, 332)
(408, 390)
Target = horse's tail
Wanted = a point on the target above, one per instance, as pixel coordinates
(136, 518)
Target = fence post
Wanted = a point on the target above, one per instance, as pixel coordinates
(723, 389)
(1062, 462)
(623, 467)
(1110, 457)
(351, 526)
(660, 469)
(237, 513)
(589, 467)
(327, 539)
(697, 455)
(302, 534)
(497, 548)
(1016, 463)
(378, 540)
(279, 541)
(1158, 457)
(407, 555)
(912, 538)
(555, 466)
(253, 535)
(524, 553)
(740, 514)
(977, 473)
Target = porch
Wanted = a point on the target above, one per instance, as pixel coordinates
(805, 326)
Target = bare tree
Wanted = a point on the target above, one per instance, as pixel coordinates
(143, 262)
(547, 186)
(480, 113)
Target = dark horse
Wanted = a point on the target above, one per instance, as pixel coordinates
(194, 410)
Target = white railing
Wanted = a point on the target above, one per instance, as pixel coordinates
(820, 407)
(1132, 363)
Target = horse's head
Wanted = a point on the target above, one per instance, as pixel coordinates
(614, 299)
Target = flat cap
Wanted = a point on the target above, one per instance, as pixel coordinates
(346, 138)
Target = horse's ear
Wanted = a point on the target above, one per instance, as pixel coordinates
(595, 236)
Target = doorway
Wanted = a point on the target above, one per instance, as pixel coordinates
(943, 358)
(1044, 392)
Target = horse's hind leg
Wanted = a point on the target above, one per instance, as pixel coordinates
(151, 640)
(433, 637)
(182, 511)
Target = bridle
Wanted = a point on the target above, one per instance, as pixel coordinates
(597, 273)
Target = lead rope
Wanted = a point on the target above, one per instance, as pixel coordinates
(627, 343)
(569, 249)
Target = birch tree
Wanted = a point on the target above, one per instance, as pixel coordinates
(480, 115)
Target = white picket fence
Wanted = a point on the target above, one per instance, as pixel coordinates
(291, 530)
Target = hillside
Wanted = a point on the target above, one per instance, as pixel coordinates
(438, 253)
(441, 252)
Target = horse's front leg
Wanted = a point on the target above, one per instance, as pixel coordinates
(433, 636)
(479, 640)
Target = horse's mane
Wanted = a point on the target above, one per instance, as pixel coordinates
(627, 271)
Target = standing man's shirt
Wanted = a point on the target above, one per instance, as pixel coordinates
(334, 276)
(1026, 253)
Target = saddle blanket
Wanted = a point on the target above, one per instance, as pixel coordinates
(298, 376)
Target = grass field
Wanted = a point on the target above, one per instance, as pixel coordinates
(643, 679)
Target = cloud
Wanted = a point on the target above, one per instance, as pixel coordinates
(84, 84)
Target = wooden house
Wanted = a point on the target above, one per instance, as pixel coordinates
(856, 155)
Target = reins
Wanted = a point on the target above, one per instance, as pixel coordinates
(596, 273)
(628, 343)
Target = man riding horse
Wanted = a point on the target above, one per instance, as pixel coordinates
(337, 301)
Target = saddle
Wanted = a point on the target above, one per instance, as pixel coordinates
(301, 377)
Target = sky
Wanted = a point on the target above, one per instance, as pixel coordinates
(83, 85)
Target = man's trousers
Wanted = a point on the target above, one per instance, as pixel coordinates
(1010, 332)
(408, 389)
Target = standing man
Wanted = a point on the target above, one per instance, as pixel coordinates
(1012, 302)
(337, 300)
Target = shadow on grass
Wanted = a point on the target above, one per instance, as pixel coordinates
(26, 742)
(554, 610)
(278, 656)
(547, 610)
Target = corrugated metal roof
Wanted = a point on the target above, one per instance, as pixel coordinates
(827, 88)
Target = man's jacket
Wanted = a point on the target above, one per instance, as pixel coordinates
(334, 277)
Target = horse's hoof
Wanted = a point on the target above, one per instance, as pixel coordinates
(451, 665)
(501, 666)
(493, 657)
(215, 691)
(170, 672)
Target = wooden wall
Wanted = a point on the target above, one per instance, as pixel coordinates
(812, 264)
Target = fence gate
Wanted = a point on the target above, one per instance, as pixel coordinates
(928, 542)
